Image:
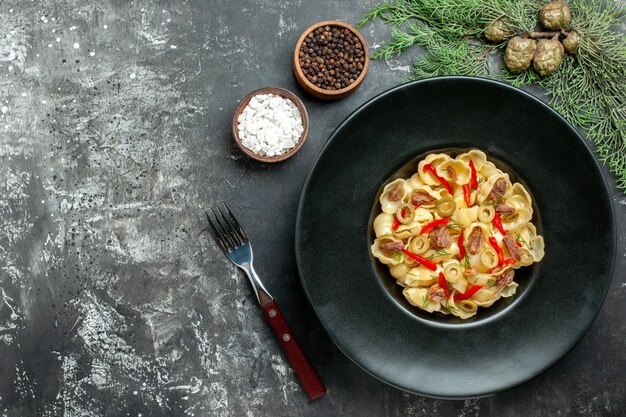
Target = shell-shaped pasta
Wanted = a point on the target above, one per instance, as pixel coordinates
(523, 198)
(526, 234)
(482, 279)
(485, 188)
(419, 298)
(420, 218)
(405, 231)
(485, 295)
(526, 258)
(474, 269)
(391, 206)
(459, 200)
(393, 258)
(484, 228)
(516, 220)
(488, 170)
(509, 289)
(423, 276)
(478, 157)
(456, 172)
(442, 255)
(407, 281)
(436, 160)
(461, 285)
(399, 271)
(466, 216)
(383, 224)
(532, 244)
(429, 190)
(537, 248)
(423, 216)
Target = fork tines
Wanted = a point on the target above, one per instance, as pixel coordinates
(226, 229)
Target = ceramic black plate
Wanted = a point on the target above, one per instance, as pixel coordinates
(359, 303)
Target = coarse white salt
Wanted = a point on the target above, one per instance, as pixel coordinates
(270, 125)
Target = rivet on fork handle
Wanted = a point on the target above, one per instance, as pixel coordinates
(307, 375)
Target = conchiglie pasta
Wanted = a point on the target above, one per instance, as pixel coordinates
(520, 218)
(509, 290)
(455, 171)
(399, 271)
(383, 224)
(477, 157)
(519, 197)
(425, 189)
(484, 190)
(419, 298)
(440, 239)
(386, 257)
(466, 216)
(537, 248)
(488, 170)
(388, 201)
(436, 160)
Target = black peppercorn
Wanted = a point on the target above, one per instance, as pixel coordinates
(331, 57)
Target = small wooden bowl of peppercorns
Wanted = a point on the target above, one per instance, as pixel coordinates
(330, 60)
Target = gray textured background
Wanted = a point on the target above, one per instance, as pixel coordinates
(114, 130)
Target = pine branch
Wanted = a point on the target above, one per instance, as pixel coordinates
(589, 89)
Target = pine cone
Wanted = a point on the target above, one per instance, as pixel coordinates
(571, 42)
(548, 56)
(519, 54)
(555, 15)
(497, 30)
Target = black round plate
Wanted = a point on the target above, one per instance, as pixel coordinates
(354, 298)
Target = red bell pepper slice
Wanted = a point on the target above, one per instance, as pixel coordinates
(430, 226)
(494, 244)
(424, 261)
(474, 178)
(461, 247)
(519, 243)
(443, 284)
(468, 293)
(396, 222)
(467, 195)
(430, 168)
(510, 261)
(497, 222)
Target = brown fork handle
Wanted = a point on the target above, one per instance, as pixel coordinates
(309, 379)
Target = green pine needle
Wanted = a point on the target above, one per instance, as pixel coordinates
(589, 89)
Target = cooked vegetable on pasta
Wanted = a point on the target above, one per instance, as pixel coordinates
(455, 232)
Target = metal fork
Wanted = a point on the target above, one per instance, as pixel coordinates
(234, 242)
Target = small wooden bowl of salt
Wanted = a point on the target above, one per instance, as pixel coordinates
(270, 124)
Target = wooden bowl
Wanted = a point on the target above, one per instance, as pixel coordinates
(316, 91)
(279, 92)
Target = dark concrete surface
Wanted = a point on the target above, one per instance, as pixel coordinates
(114, 134)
